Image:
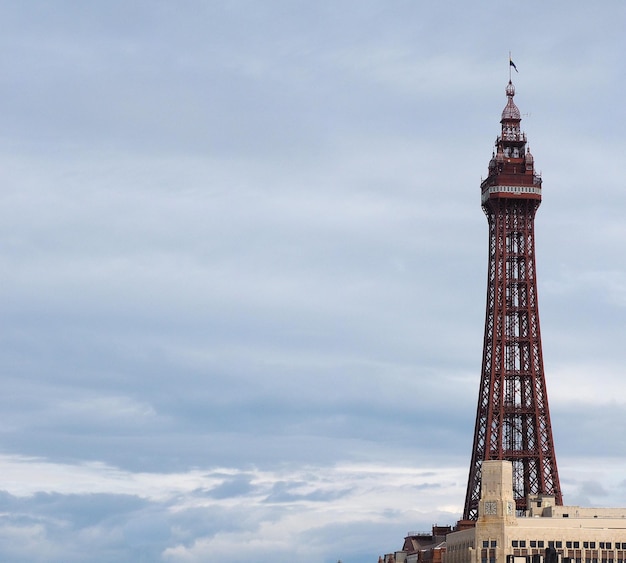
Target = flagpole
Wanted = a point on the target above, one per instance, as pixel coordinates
(510, 66)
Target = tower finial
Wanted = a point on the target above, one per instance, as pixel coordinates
(510, 89)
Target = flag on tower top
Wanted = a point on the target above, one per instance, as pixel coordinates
(511, 63)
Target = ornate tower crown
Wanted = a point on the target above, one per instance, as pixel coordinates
(512, 167)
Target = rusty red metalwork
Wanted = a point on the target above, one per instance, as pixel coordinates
(513, 419)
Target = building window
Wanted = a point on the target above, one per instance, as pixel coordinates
(540, 543)
(559, 545)
(494, 543)
(515, 543)
(533, 543)
(586, 545)
(568, 544)
(608, 545)
(522, 543)
(576, 545)
(592, 545)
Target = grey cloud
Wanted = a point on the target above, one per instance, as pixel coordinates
(593, 488)
(236, 486)
(81, 510)
(283, 492)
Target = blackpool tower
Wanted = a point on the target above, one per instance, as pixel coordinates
(512, 419)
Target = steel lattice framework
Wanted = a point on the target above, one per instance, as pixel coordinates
(513, 419)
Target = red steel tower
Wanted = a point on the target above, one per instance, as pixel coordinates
(512, 420)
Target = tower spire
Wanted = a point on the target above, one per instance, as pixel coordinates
(512, 419)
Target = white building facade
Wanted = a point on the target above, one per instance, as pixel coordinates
(546, 533)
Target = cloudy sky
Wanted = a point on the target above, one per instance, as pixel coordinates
(243, 267)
